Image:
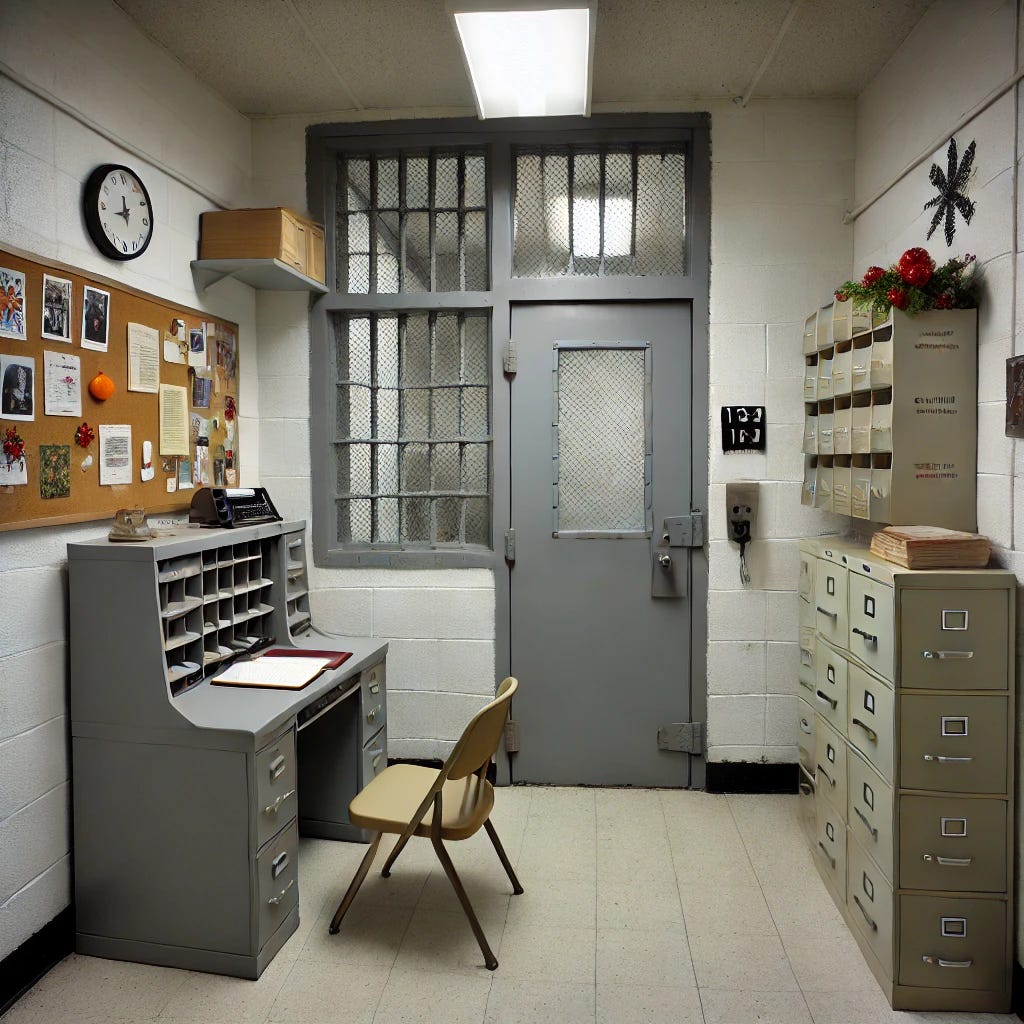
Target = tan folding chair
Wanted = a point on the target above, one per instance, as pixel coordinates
(398, 800)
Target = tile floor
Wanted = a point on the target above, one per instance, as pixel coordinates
(641, 907)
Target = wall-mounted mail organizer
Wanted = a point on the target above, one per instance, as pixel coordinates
(890, 424)
(172, 377)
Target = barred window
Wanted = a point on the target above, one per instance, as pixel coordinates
(413, 438)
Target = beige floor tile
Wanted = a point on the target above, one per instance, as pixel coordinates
(751, 963)
(872, 1008)
(488, 888)
(647, 1004)
(530, 952)
(555, 902)
(722, 1006)
(638, 904)
(444, 942)
(724, 910)
(536, 1002)
(563, 856)
(369, 934)
(312, 994)
(659, 958)
(833, 966)
(215, 999)
(427, 997)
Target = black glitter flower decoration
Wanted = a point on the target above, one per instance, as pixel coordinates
(951, 191)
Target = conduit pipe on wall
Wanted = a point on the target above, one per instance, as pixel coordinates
(742, 101)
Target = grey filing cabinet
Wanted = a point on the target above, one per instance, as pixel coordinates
(906, 749)
(189, 798)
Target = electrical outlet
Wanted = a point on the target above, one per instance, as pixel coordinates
(741, 501)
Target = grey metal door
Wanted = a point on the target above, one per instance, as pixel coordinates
(600, 456)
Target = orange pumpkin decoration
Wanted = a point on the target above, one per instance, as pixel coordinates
(101, 387)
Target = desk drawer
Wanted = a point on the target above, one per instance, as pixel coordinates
(275, 786)
(830, 601)
(871, 624)
(830, 697)
(870, 719)
(953, 843)
(870, 811)
(374, 700)
(277, 886)
(829, 848)
(375, 758)
(869, 897)
(830, 765)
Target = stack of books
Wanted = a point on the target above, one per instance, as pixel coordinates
(931, 547)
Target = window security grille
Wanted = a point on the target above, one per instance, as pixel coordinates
(413, 435)
(412, 222)
(600, 211)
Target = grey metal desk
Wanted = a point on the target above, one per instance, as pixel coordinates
(189, 798)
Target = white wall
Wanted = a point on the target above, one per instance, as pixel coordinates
(782, 175)
(957, 56)
(91, 57)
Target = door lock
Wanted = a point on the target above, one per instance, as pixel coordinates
(665, 561)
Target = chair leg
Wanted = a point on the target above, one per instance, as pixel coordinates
(503, 857)
(353, 887)
(490, 961)
(393, 855)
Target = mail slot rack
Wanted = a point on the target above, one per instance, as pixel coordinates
(906, 749)
(890, 415)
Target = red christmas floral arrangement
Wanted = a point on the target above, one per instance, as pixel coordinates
(915, 284)
(13, 446)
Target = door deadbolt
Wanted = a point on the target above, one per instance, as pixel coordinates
(665, 561)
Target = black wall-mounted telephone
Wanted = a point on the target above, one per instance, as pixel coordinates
(232, 506)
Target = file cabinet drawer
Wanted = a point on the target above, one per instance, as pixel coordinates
(807, 640)
(805, 736)
(869, 897)
(830, 602)
(830, 845)
(830, 669)
(375, 758)
(275, 786)
(871, 624)
(830, 765)
(953, 744)
(374, 700)
(805, 587)
(954, 639)
(953, 942)
(953, 843)
(870, 720)
(805, 806)
(870, 811)
(277, 880)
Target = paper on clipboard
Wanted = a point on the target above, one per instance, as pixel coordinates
(275, 673)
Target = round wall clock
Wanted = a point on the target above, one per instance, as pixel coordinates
(117, 212)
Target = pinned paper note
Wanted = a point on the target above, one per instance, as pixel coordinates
(147, 471)
(115, 453)
(173, 420)
(143, 360)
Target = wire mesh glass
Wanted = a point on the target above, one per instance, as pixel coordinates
(413, 432)
(610, 210)
(412, 222)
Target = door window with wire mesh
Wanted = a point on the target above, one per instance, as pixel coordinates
(599, 211)
(413, 434)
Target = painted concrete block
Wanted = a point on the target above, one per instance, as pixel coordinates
(782, 668)
(783, 617)
(33, 762)
(348, 611)
(32, 688)
(736, 667)
(780, 720)
(995, 508)
(736, 615)
(36, 618)
(441, 614)
(35, 906)
(737, 353)
(736, 720)
(33, 839)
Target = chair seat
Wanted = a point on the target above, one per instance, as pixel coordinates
(388, 803)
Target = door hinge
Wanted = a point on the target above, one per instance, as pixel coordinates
(510, 361)
(511, 736)
(684, 531)
(510, 546)
(686, 737)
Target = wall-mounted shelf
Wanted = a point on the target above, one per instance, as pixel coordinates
(267, 274)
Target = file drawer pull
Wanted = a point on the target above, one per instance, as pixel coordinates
(828, 856)
(805, 727)
(806, 686)
(937, 961)
(869, 638)
(824, 697)
(372, 713)
(942, 759)
(806, 789)
(828, 778)
(825, 611)
(872, 735)
(374, 687)
(278, 864)
(276, 805)
(277, 767)
(867, 824)
(949, 862)
(948, 655)
(860, 907)
(275, 900)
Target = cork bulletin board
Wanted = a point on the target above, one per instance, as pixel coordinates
(61, 477)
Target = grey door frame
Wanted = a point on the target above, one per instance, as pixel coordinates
(326, 142)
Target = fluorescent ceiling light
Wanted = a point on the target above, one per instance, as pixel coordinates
(524, 61)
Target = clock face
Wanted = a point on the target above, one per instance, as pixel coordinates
(117, 212)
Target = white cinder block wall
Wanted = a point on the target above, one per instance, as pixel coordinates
(89, 56)
(782, 175)
(958, 55)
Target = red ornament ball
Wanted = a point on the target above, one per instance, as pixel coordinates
(917, 264)
(944, 301)
(897, 297)
(873, 275)
(841, 296)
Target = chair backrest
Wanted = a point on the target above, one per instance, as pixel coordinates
(480, 738)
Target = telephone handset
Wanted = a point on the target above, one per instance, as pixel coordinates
(232, 506)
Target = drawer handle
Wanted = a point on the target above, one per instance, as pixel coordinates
(869, 638)
(872, 735)
(943, 759)
(867, 917)
(374, 687)
(828, 856)
(806, 686)
(937, 961)
(806, 789)
(826, 699)
(948, 655)
(277, 767)
(804, 727)
(825, 611)
(373, 712)
(828, 778)
(867, 824)
(275, 900)
(948, 862)
(377, 755)
(276, 805)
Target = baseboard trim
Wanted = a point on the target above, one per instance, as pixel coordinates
(750, 777)
(20, 970)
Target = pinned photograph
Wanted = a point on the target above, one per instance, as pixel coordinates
(12, 304)
(17, 382)
(197, 348)
(95, 319)
(56, 309)
(55, 470)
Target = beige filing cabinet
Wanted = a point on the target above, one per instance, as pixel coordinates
(906, 737)
(890, 415)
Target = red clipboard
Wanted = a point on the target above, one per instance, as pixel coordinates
(337, 657)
